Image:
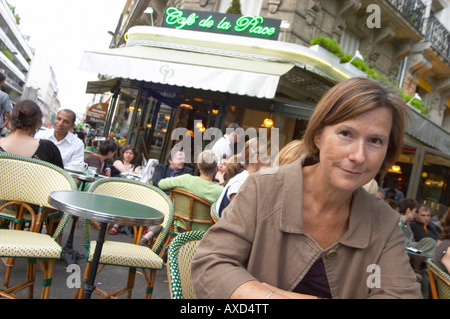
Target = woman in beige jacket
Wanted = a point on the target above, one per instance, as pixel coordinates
(308, 229)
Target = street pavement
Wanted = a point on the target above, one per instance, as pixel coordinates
(110, 279)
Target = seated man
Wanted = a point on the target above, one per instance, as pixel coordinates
(174, 168)
(421, 226)
(408, 210)
(202, 186)
(69, 145)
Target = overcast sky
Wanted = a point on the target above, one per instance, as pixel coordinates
(61, 30)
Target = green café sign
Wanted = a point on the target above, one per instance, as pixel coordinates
(231, 24)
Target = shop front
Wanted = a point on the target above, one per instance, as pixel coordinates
(167, 78)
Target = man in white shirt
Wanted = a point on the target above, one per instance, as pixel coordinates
(225, 144)
(70, 146)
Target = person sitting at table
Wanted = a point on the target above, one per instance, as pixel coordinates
(442, 254)
(126, 162)
(246, 163)
(308, 229)
(69, 145)
(106, 151)
(175, 167)
(26, 118)
(202, 186)
(219, 176)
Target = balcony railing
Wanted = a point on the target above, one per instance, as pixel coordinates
(438, 35)
(412, 10)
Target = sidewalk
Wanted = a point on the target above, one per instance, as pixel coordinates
(110, 279)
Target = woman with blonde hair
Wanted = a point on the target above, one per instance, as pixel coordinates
(253, 157)
(308, 229)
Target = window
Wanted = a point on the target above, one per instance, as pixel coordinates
(248, 7)
(349, 42)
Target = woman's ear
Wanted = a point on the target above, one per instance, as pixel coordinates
(317, 138)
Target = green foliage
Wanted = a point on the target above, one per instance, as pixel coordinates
(330, 44)
(235, 7)
(13, 10)
(333, 46)
(419, 105)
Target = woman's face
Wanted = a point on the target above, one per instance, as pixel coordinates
(128, 156)
(351, 152)
(223, 166)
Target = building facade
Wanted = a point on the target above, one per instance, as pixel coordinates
(403, 42)
(15, 54)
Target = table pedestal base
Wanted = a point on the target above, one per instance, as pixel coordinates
(89, 285)
(70, 255)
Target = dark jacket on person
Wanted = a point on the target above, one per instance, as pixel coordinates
(164, 170)
(421, 230)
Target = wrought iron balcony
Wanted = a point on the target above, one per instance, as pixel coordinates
(412, 10)
(439, 37)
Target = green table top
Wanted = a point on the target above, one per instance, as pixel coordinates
(104, 208)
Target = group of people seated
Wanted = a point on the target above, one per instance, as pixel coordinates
(304, 227)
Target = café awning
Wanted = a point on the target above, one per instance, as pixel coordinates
(428, 132)
(188, 69)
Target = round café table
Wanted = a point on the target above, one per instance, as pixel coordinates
(70, 255)
(107, 210)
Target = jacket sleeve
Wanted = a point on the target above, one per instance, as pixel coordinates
(171, 182)
(158, 174)
(219, 265)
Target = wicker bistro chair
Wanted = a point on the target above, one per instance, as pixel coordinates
(192, 212)
(28, 182)
(439, 281)
(130, 255)
(181, 251)
(214, 216)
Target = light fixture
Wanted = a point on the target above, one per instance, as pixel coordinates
(149, 11)
(395, 169)
(186, 106)
(415, 97)
(357, 55)
(268, 122)
(199, 124)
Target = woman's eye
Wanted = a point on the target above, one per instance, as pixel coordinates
(376, 141)
(345, 133)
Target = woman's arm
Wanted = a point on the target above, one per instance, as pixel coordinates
(446, 260)
(257, 290)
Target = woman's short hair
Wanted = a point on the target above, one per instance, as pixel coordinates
(106, 147)
(350, 98)
(406, 203)
(25, 115)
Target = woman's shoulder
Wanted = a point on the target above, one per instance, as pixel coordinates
(46, 143)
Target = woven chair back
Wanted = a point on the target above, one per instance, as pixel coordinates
(191, 208)
(30, 180)
(181, 251)
(138, 192)
(441, 285)
(214, 217)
